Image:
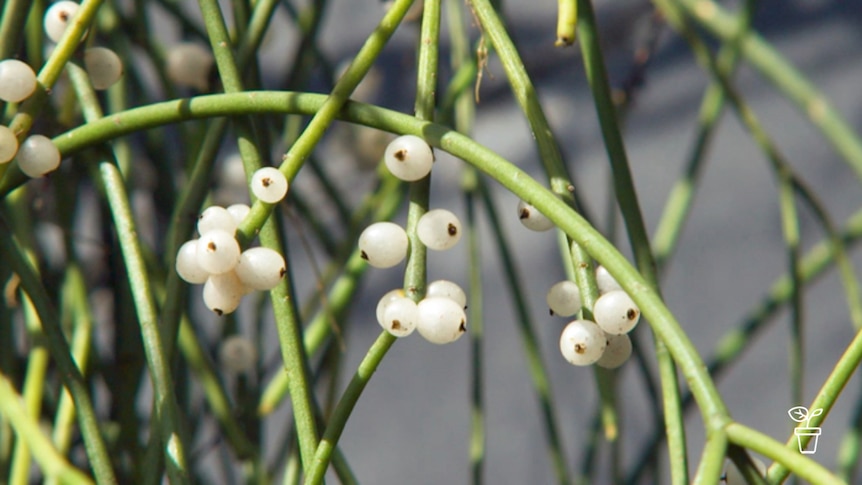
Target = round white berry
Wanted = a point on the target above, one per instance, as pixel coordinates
(441, 320)
(58, 17)
(38, 156)
(409, 158)
(187, 264)
(8, 144)
(532, 219)
(261, 268)
(616, 313)
(564, 298)
(617, 352)
(269, 185)
(447, 289)
(237, 354)
(605, 281)
(216, 217)
(582, 342)
(17, 80)
(104, 67)
(218, 251)
(400, 317)
(238, 212)
(223, 293)
(385, 300)
(383, 244)
(189, 65)
(438, 229)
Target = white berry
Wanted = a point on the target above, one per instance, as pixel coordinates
(617, 352)
(38, 156)
(532, 219)
(616, 313)
(17, 80)
(223, 293)
(441, 320)
(261, 268)
(582, 342)
(385, 300)
(400, 317)
(187, 264)
(409, 158)
(216, 217)
(439, 229)
(238, 212)
(605, 281)
(218, 251)
(104, 67)
(269, 185)
(383, 244)
(564, 298)
(189, 65)
(57, 18)
(237, 354)
(447, 289)
(8, 144)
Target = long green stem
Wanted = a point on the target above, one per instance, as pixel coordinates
(53, 464)
(73, 380)
(627, 199)
(780, 72)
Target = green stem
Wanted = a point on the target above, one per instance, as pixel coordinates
(345, 407)
(166, 409)
(627, 199)
(73, 380)
(806, 468)
(53, 464)
(783, 75)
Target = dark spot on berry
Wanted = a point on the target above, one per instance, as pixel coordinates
(550, 312)
(363, 255)
(218, 311)
(580, 348)
(64, 16)
(266, 181)
(211, 246)
(631, 314)
(524, 214)
(401, 155)
(282, 272)
(452, 229)
(463, 326)
(396, 325)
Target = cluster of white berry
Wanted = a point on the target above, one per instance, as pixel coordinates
(216, 260)
(605, 341)
(37, 155)
(439, 316)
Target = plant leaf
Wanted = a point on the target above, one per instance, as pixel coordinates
(799, 413)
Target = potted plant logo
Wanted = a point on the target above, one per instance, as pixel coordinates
(800, 414)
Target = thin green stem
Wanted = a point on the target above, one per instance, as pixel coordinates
(526, 328)
(87, 420)
(166, 409)
(596, 71)
(345, 407)
(783, 75)
(803, 466)
(53, 464)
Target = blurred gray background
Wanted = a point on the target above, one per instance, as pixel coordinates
(412, 423)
